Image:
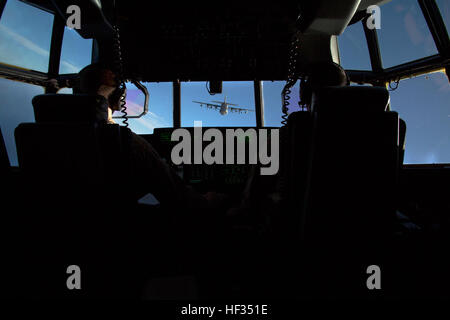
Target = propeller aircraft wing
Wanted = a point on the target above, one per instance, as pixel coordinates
(240, 110)
(208, 105)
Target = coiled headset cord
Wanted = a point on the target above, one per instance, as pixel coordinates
(292, 77)
(119, 65)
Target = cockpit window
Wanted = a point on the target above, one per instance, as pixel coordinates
(423, 103)
(220, 110)
(444, 7)
(160, 107)
(135, 101)
(25, 36)
(272, 102)
(353, 49)
(404, 35)
(76, 52)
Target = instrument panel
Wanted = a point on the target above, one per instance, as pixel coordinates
(229, 178)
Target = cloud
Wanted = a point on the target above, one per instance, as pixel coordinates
(149, 121)
(145, 124)
(431, 158)
(30, 45)
(399, 8)
(33, 47)
(413, 31)
(152, 121)
(441, 83)
(70, 67)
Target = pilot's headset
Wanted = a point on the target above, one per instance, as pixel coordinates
(92, 76)
(319, 75)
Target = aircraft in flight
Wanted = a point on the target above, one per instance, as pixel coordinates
(224, 107)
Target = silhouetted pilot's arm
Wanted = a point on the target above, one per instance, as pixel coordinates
(150, 170)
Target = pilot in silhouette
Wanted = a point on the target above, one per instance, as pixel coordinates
(148, 168)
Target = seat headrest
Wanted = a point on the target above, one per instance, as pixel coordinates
(343, 99)
(70, 108)
(326, 74)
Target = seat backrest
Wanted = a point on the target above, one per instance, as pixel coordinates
(295, 151)
(70, 108)
(75, 188)
(348, 201)
(71, 140)
(354, 170)
(77, 152)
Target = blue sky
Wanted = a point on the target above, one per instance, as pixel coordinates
(423, 102)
